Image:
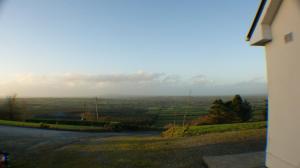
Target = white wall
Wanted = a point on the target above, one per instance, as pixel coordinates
(283, 64)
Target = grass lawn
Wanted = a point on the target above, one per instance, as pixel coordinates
(53, 126)
(200, 130)
(136, 151)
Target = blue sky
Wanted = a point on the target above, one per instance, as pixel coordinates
(105, 44)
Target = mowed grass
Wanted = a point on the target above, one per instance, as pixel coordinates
(142, 151)
(200, 130)
(53, 126)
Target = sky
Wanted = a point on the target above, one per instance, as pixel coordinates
(67, 48)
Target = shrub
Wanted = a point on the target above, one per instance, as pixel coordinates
(175, 131)
(113, 126)
(241, 107)
(236, 110)
(43, 125)
(168, 126)
(88, 116)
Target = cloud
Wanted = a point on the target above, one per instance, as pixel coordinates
(259, 79)
(252, 86)
(201, 80)
(140, 76)
(71, 79)
(139, 83)
(172, 79)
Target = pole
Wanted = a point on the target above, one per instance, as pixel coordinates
(97, 114)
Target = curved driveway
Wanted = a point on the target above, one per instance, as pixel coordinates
(18, 140)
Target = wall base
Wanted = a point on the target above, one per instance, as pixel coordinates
(276, 162)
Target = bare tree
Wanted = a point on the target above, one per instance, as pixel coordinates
(12, 107)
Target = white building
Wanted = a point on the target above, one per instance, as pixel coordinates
(277, 28)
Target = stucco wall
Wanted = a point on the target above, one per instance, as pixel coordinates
(283, 64)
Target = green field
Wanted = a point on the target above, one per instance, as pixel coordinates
(160, 111)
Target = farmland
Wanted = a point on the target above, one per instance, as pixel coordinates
(157, 111)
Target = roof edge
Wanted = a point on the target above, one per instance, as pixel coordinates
(256, 19)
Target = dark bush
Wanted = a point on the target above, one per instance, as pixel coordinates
(236, 110)
(43, 125)
(113, 126)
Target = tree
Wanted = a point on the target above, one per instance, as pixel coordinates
(219, 112)
(265, 109)
(242, 108)
(10, 109)
(236, 110)
(236, 105)
(246, 111)
(217, 107)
